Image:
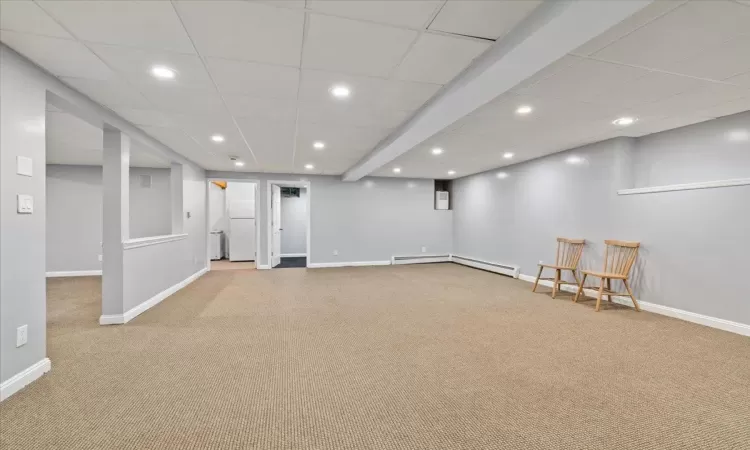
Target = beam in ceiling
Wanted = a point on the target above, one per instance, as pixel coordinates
(553, 30)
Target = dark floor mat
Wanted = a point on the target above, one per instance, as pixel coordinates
(292, 261)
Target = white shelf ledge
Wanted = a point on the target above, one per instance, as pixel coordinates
(686, 186)
(152, 240)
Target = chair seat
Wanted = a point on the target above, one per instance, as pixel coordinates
(554, 266)
(615, 276)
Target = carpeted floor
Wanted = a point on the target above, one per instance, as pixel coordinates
(225, 264)
(395, 357)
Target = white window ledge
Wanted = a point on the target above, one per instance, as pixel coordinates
(686, 186)
(152, 240)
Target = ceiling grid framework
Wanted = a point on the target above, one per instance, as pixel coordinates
(259, 72)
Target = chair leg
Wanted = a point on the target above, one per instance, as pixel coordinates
(599, 297)
(609, 288)
(632, 297)
(538, 275)
(575, 277)
(556, 282)
(580, 289)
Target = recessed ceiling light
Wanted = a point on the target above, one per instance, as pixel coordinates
(451, 172)
(508, 155)
(437, 151)
(239, 163)
(317, 145)
(396, 170)
(217, 138)
(573, 159)
(340, 91)
(502, 175)
(309, 166)
(624, 121)
(162, 72)
(524, 109)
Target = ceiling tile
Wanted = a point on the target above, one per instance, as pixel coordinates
(651, 87)
(61, 57)
(110, 93)
(315, 86)
(679, 34)
(183, 144)
(145, 24)
(740, 80)
(726, 108)
(407, 13)
(339, 114)
(340, 141)
(135, 65)
(271, 142)
(717, 62)
(481, 18)
(145, 117)
(260, 80)
(26, 16)
(406, 95)
(367, 49)
(184, 101)
(438, 59)
(707, 95)
(261, 108)
(246, 31)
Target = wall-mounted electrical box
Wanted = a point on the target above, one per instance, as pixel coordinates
(443, 190)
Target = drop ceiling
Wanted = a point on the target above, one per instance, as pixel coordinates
(259, 73)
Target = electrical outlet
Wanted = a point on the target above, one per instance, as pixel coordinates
(335, 253)
(101, 258)
(22, 335)
(424, 249)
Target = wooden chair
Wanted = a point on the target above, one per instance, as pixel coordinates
(619, 257)
(568, 254)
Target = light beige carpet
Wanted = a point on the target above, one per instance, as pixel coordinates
(225, 264)
(406, 357)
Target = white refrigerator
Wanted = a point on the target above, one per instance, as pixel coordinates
(242, 230)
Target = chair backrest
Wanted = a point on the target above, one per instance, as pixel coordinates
(619, 256)
(569, 252)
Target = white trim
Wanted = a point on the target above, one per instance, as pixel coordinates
(347, 264)
(287, 183)
(263, 266)
(713, 322)
(490, 266)
(24, 378)
(293, 255)
(419, 259)
(114, 319)
(75, 273)
(152, 240)
(686, 186)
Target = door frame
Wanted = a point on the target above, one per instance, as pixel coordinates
(269, 231)
(254, 181)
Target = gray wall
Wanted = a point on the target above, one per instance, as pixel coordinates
(692, 241)
(74, 213)
(294, 224)
(369, 220)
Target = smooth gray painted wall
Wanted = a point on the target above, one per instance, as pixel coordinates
(368, 220)
(692, 241)
(74, 213)
(294, 224)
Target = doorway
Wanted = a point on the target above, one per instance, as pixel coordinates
(288, 224)
(233, 231)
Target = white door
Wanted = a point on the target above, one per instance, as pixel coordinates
(275, 225)
(242, 239)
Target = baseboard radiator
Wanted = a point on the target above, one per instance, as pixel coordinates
(504, 269)
(420, 259)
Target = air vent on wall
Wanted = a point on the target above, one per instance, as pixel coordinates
(290, 192)
(144, 181)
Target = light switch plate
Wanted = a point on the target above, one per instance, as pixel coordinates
(25, 204)
(24, 166)
(22, 335)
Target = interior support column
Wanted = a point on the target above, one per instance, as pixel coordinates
(116, 218)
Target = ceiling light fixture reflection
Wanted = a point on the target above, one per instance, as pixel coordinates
(508, 155)
(217, 138)
(451, 172)
(318, 145)
(340, 91)
(524, 109)
(163, 72)
(624, 121)
(437, 151)
(502, 175)
(396, 170)
(309, 166)
(239, 163)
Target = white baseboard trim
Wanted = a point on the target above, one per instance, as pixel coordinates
(24, 378)
(713, 322)
(491, 266)
(117, 319)
(347, 264)
(419, 259)
(293, 255)
(75, 273)
(263, 267)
